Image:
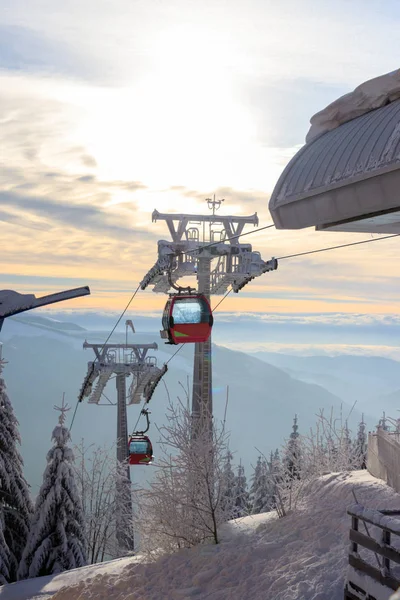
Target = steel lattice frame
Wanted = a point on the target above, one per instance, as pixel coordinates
(236, 265)
(123, 361)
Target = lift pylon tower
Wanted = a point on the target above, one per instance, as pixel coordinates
(190, 253)
(123, 361)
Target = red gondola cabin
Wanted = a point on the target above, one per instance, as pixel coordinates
(187, 319)
(140, 450)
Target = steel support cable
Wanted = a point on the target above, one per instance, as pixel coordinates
(102, 348)
(315, 252)
(222, 299)
(385, 237)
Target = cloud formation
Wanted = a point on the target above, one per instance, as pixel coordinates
(104, 118)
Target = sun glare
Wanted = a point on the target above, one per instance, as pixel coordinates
(180, 124)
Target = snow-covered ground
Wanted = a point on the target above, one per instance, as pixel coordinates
(300, 557)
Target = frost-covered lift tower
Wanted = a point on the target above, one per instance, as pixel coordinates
(190, 253)
(123, 361)
(347, 176)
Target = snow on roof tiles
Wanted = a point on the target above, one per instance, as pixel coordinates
(306, 193)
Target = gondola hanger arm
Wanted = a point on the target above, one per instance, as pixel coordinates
(178, 288)
(146, 413)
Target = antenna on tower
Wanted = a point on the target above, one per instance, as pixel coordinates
(214, 204)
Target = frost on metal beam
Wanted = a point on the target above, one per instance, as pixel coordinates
(13, 303)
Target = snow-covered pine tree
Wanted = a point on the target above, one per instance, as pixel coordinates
(346, 449)
(242, 500)
(254, 481)
(275, 475)
(15, 503)
(56, 540)
(273, 468)
(228, 485)
(293, 453)
(360, 447)
(263, 499)
(4, 554)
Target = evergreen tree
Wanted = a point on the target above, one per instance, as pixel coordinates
(274, 467)
(263, 499)
(347, 456)
(228, 485)
(241, 495)
(15, 503)
(4, 555)
(360, 449)
(255, 480)
(293, 454)
(56, 538)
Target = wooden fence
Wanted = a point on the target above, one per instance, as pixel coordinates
(385, 554)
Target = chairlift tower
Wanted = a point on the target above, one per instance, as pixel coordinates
(122, 361)
(197, 241)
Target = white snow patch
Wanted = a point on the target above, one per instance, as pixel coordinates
(371, 94)
(45, 587)
(301, 557)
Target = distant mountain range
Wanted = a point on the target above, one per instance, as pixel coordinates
(266, 390)
(372, 381)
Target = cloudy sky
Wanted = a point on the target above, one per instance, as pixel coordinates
(109, 109)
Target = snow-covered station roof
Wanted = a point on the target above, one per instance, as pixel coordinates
(347, 176)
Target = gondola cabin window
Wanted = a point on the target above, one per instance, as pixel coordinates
(138, 447)
(191, 310)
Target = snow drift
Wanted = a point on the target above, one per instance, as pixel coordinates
(300, 557)
(366, 97)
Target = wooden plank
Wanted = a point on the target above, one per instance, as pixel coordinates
(386, 542)
(367, 520)
(349, 595)
(354, 527)
(390, 512)
(364, 567)
(363, 540)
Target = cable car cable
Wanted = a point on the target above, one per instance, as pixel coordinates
(174, 354)
(386, 237)
(320, 250)
(222, 299)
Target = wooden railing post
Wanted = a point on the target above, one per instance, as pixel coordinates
(354, 526)
(386, 541)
